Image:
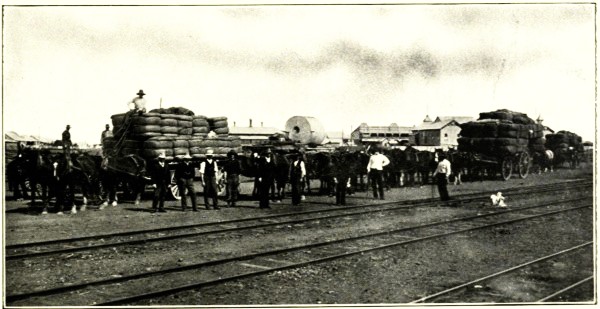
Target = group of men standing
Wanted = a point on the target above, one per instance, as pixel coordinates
(231, 169)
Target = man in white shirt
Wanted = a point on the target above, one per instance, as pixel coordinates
(297, 174)
(442, 172)
(375, 171)
(138, 103)
(208, 172)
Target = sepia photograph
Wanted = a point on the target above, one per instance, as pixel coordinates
(317, 154)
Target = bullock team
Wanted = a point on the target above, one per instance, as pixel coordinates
(340, 172)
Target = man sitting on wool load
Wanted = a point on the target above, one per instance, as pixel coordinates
(138, 104)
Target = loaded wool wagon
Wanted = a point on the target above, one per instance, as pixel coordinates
(139, 138)
(566, 146)
(503, 140)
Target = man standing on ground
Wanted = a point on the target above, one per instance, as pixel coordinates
(208, 172)
(161, 179)
(442, 172)
(375, 171)
(232, 170)
(297, 175)
(184, 174)
(266, 173)
(341, 175)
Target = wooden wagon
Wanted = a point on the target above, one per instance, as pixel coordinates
(506, 164)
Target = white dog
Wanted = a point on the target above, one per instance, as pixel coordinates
(498, 200)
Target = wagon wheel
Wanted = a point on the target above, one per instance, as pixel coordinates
(174, 188)
(506, 168)
(524, 164)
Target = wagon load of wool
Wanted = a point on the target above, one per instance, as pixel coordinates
(502, 132)
(174, 132)
(562, 140)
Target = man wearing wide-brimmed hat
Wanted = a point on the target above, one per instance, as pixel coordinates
(138, 103)
(161, 179)
(232, 169)
(184, 175)
(208, 172)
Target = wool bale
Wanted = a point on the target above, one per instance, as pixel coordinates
(169, 130)
(153, 153)
(218, 124)
(181, 144)
(185, 131)
(181, 151)
(146, 129)
(168, 122)
(158, 144)
(197, 143)
(197, 150)
(142, 120)
(199, 135)
(200, 123)
(306, 130)
(215, 119)
(184, 123)
(117, 119)
(202, 130)
(224, 130)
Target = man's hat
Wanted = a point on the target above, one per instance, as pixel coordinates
(68, 126)
(141, 93)
(210, 152)
(267, 151)
(162, 155)
(107, 125)
(187, 156)
(232, 153)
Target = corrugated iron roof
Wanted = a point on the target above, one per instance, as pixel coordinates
(12, 136)
(459, 119)
(253, 131)
(435, 125)
(384, 129)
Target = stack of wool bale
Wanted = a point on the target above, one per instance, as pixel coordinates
(562, 140)
(501, 133)
(173, 135)
(219, 125)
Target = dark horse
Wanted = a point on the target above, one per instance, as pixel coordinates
(249, 164)
(59, 176)
(319, 166)
(128, 171)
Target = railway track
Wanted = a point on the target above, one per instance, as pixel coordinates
(119, 291)
(63, 246)
(492, 288)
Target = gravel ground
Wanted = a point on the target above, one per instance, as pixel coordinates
(394, 276)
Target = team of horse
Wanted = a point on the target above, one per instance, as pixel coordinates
(58, 176)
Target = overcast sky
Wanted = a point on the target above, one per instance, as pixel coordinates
(341, 64)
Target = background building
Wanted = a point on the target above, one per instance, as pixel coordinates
(392, 135)
(253, 135)
(442, 132)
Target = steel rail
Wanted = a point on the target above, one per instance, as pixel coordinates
(344, 213)
(561, 291)
(73, 287)
(496, 274)
(125, 300)
(545, 187)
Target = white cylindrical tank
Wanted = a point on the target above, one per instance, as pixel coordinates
(306, 130)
